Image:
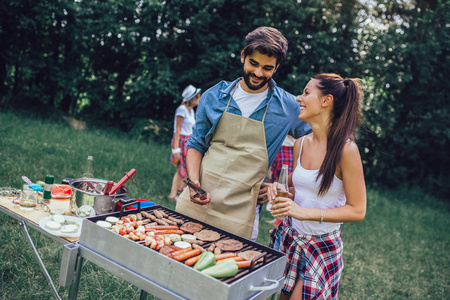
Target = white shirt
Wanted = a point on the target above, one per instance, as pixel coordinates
(188, 121)
(248, 102)
(289, 141)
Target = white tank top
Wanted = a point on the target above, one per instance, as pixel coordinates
(306, 189)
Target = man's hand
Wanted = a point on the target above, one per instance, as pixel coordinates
(262, 196)
(196, 197)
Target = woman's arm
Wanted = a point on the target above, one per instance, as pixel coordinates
(176, 138)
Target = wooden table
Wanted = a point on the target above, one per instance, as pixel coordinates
(33, 217)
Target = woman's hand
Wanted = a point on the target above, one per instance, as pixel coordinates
(271, 193)
(177, 157)
(282, 207)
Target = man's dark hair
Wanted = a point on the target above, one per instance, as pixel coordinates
(266, 40)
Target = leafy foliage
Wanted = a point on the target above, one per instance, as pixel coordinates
(124, 64)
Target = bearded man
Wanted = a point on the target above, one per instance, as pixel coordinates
(240, 126)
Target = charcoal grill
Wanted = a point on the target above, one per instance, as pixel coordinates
(170, 279)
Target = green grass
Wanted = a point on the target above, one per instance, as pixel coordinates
(399, 251)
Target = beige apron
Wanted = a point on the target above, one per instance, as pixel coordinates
(231, 171)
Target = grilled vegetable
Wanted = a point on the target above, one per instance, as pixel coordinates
(207, 259)
(188, 237)
(112, 220)
(227, 268)
(104, 224)
(182, 244)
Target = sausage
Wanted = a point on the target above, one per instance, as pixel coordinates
(178, 221)
(186, 255)
(236, 258)
(191, 261)
(244, 264)
(158, 214)
(211, 247)
(196, 242)
(161, 222)
(146, 214)
(181, 251)
(161, 227)
(170, 222)
(157, 232)
(195, 246)
(225, 255)
(163, 214)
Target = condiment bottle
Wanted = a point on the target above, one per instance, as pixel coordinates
(282, 184)
(89, 168)
(49, 179)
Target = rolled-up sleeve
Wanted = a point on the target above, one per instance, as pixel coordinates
(209, 111)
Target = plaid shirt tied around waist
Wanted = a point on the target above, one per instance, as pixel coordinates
(324, 263)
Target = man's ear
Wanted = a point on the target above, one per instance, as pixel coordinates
(276, 68)
(327, 100)
(242, 57)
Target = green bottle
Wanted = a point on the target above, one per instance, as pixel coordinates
(49, 179)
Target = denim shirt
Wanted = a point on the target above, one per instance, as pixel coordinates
(281, 117)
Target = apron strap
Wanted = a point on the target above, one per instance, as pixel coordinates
(231, 95)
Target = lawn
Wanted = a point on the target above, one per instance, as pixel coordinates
(399, 251)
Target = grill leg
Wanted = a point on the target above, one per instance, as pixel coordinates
(73, 291)
(143, 295)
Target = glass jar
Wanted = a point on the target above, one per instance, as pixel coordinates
(28, 198)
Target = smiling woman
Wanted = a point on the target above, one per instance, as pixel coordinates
(328, 189)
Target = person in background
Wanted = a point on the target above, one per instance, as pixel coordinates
(329, 189)
(284, 157)
(239, 129)
(182, 129)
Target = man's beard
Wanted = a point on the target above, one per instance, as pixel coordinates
(251, 86)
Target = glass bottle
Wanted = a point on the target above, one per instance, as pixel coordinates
(282, 184)
(89, 168)
(49, 180)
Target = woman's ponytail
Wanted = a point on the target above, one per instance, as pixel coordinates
(344, 119)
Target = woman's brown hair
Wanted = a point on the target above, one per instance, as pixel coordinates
(344, 119)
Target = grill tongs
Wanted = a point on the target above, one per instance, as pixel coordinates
(198, 190)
